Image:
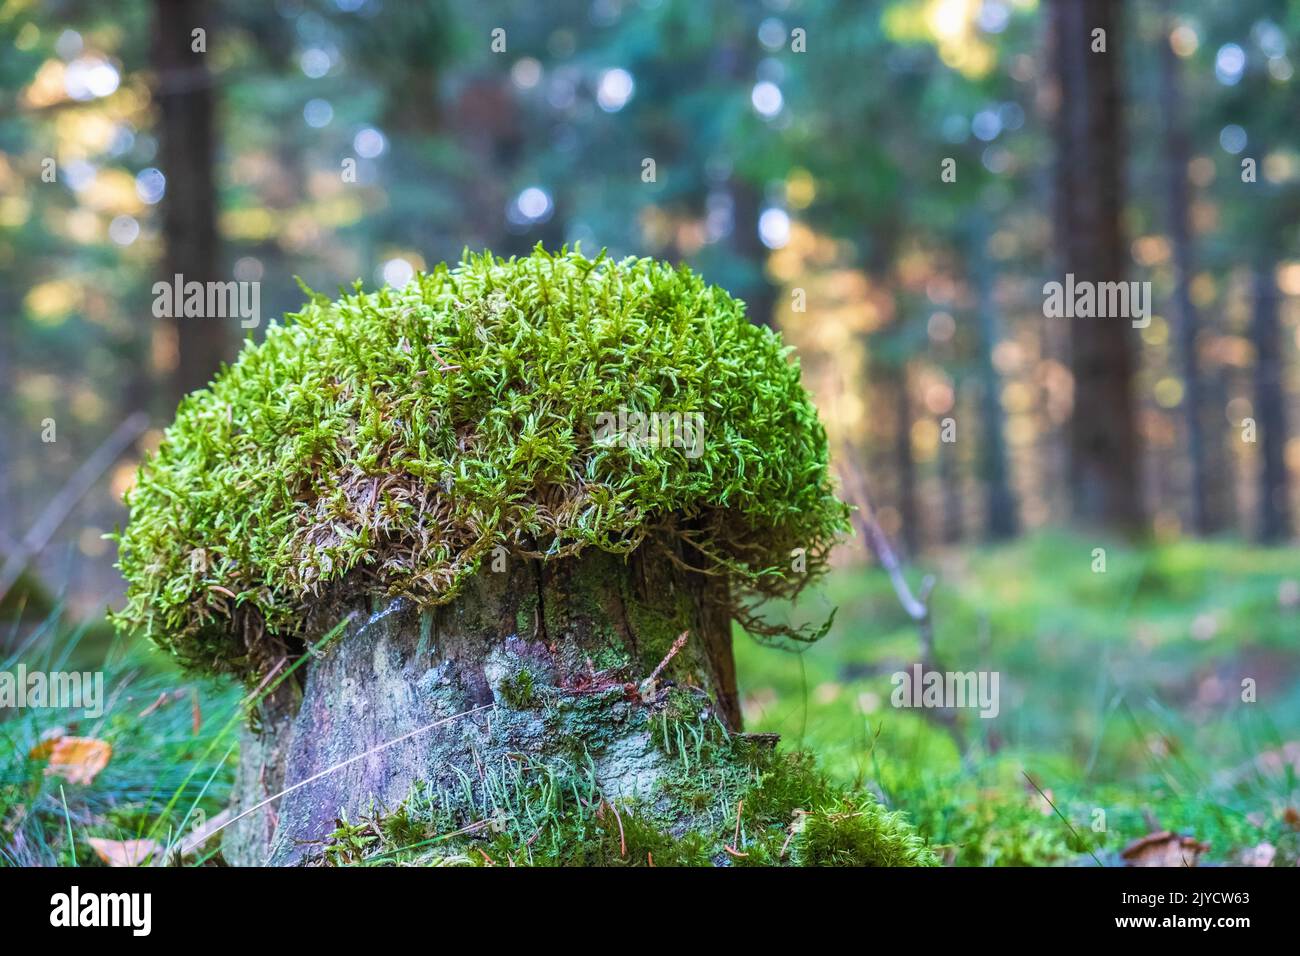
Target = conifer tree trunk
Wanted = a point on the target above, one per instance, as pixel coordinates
(187, 144)
(1270, 408)
(1177, 155)
(904, 462)
(1002, 521)
(1104, 469)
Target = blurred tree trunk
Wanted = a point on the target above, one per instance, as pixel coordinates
(758, 293)
(187, 142)
(1176, 157)
(950, 479)
(1270, 407)
(8, 399)
(896, 380)
(741, 60)
(1000, 504)
(888, 374)
(1220, 460)
(1104, 462)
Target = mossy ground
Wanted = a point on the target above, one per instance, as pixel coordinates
(391, 441)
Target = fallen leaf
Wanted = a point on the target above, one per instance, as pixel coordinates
(1163, 849)
(48, 739)
(124, 852)
(76, 759)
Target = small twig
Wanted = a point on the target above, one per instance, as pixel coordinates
(649, 682)
(442, 362)
(622, 840)
(796, 824)
(733, 848)
(1064, 819)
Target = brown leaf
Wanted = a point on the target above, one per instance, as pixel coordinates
(76, 759)
(124, 852)
(46, 747)
(1164, 849)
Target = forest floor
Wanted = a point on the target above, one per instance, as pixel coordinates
(1121, 701)
(1120, 714)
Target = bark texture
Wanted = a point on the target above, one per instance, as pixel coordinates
(1104, 445)
(1270, 408)
(187, 147)
(554, 654)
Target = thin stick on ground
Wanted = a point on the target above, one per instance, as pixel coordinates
(915, 605)
(622, 839)
(734, 847)
(1064, 819)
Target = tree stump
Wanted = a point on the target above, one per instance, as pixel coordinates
(493, 526)
(540, 661)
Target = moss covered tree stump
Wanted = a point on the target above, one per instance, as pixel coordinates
(478, 544)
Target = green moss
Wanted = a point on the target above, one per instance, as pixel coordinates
(857, 832)
(682, 721)
(518, 690)
(552, 814)
(526, 617)
(409, 432)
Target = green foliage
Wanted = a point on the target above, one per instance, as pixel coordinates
(171, 741)
(390, 440)
(1137, 744)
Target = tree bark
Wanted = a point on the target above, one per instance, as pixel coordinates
(542, 659)
(187, 145)
(1002, 521)
(1176, 155)
(1104, 470)
(1270, 408)
(757, 292)
(951, 485)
